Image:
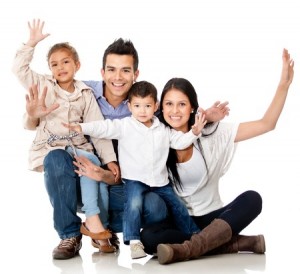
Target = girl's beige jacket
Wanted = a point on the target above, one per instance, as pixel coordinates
(80, 107)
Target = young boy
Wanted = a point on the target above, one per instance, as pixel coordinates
(143, 148)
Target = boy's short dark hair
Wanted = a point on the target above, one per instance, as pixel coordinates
(142, 89)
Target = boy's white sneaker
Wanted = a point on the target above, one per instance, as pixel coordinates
(137, 251)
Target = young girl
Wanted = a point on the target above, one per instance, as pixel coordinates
(72, 102)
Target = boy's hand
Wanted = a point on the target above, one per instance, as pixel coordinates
(200, 122)
(76, 128)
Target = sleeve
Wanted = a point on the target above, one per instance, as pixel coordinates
(219, 148)
(180, 140)
(21, 67)
(28, 123)
(26, 76)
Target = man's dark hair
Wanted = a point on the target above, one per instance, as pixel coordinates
(122, 47)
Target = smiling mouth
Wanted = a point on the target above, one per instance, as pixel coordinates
(118, 85)
(62, 74)
(175, 117)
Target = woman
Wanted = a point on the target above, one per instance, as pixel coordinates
(197, 177)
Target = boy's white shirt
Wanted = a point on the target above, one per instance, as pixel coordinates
(143, 151)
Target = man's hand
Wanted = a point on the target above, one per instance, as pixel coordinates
(87, 168)
(115, 169)
(35, 106)
(216, 112)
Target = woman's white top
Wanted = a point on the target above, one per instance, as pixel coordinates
(201, 188)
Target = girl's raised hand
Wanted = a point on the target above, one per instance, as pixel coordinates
(36, 32)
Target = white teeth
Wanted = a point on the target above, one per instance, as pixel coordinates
(175, 117)
(117, 85)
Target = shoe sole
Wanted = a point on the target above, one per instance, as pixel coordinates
(138, 257)
(96, 236)
(61, 256)
(262, 244)
(164, 254)
(104, 248)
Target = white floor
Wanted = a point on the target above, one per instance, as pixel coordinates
(241, 43)
(269, 165)
(25, 254)
(28, 239)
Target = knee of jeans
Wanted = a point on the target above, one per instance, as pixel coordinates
(59, 163)
(55, 158)
(135, 203)
(155, 209)
(55, 155)
(255, 200)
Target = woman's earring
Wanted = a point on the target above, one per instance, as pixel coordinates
(192, 111)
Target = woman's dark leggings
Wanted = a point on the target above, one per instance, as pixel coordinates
(238, 214)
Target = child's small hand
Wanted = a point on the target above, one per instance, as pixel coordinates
(36, 32)
(76, 128)
(200, 122)
(35, 105)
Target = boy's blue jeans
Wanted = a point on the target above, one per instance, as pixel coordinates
(135, 192)
(63, 187)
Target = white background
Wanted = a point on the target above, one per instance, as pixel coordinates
(229, 50)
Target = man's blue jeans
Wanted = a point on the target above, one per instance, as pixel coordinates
(63, 187)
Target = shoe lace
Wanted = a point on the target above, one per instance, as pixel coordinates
(68, 243)
(137, 246)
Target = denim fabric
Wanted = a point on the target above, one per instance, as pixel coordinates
(135, 192)
(154, 208)
(62, 185)
(94, 194)
(238, 214)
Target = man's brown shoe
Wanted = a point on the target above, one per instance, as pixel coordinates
(67, 248)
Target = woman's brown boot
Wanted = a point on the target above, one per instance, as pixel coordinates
(214, 235)
(241, 243)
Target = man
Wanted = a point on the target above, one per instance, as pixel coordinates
(119, 71)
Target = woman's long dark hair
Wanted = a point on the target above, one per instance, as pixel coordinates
(186, 88)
